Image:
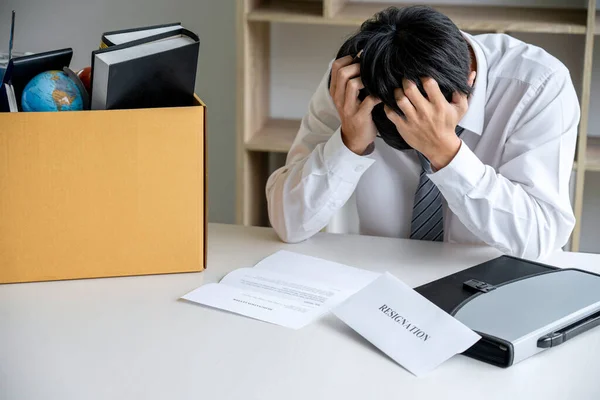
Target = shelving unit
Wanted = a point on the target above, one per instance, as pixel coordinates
(259, 134)
(468, 18)
(276, 136)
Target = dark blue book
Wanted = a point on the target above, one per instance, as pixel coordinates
(156, 71)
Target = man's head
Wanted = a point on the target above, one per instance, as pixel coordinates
(412, 43)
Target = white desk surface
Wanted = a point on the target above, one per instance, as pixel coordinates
(131, 338)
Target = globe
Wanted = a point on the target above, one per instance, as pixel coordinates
(51, 91)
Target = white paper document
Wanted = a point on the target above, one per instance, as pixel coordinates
(287, 289)
(317, 269)
(405, 325)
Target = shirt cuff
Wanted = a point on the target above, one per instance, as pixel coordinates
(342, 161)
(463, 173)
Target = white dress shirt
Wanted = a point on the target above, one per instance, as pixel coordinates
(508, 186)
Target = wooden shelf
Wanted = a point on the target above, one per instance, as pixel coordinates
(592, 155)
(492, 19)
(468, 18)
(299, 12)
(276, 136)
(489, 18)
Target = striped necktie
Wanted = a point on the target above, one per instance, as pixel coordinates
(428, 216)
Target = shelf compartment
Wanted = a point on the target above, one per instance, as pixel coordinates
(299, 12)
(592, 154)
(491, 18)
(468, 18)
(276, 136)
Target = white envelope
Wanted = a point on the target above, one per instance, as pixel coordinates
(406, 326)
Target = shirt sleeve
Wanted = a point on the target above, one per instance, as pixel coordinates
(523, 208)
(320, 174)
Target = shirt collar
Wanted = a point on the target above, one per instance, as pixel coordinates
(474, 118)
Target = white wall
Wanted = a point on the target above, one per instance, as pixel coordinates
(50, 24)
(298, 68)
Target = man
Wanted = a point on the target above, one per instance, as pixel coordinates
(476, 139)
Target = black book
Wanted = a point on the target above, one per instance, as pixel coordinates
(156, 71)
(21, 70)
(114, 38)
(8, 101)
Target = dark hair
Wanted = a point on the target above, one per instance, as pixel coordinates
(411, 42)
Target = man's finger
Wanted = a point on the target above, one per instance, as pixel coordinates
(405, 104)
(351, 101)
(335, 67)
(460, 101)
(411, 91)
(366, 107)
(344, 74)
(434, 94)
(394, 117)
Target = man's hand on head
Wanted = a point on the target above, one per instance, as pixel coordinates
(358, 129)
(429, 124)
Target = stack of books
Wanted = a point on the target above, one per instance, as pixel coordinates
(149, 67)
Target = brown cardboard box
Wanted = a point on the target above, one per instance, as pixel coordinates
(102, 193)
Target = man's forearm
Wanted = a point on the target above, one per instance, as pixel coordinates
(304, 195)
(500, 212)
